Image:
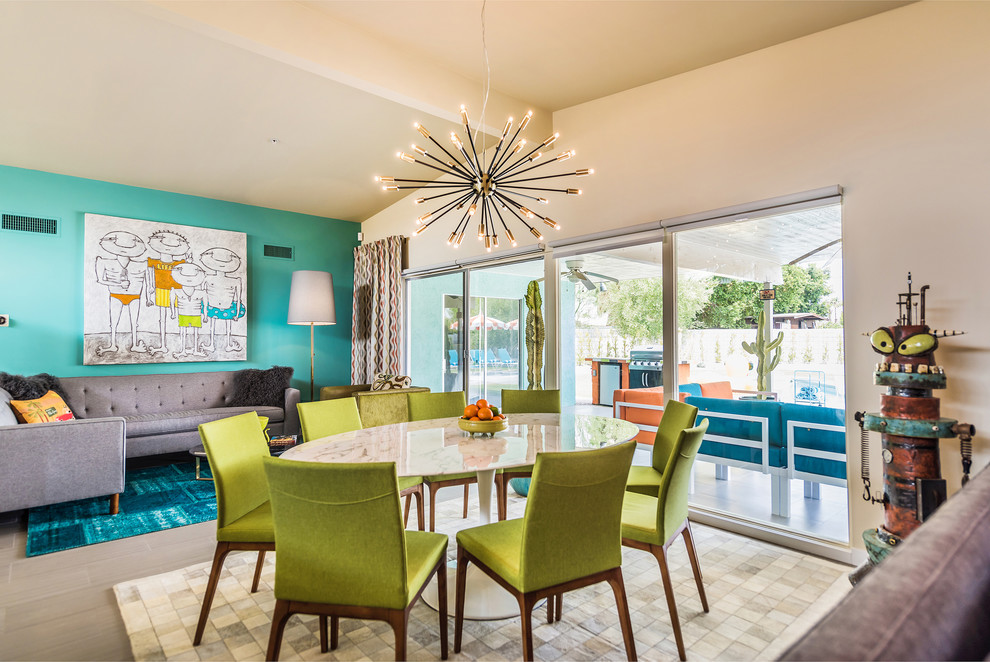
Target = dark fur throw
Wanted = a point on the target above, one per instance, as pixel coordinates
(261, 388)
(29, 388)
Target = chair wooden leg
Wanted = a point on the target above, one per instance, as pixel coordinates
(526, 620)
(433, 507)
(420, 514)
(560, 606)
(462, 564)
(257, 571)
(551, 606)
(324, 638)
(398, 619)
(695, 564)
(405, 515)
(502, 496)
(211, 588)
(467, 492)
(442, 599)
(334, 632)
(279, 616)
(622, 606)
(668, 589)
(114, 504)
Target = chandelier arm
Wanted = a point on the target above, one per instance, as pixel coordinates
(498, 148)
(471, 164)
(467, 214)
(433, 185)
(508, 152)
(506, 227)
(445, 170)
(533, 167)
(460, 165)
(457, 172)
(533, 179)
(503, 169)
(532, 188)
(513, 202)
(441, 195)
(467, 128)
(447, 208)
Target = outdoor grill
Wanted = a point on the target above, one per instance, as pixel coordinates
(646, 367)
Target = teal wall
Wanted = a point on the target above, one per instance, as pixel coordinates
(41, 276)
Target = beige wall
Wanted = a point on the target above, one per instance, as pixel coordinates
(894, 108)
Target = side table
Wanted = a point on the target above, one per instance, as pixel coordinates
(275, 449)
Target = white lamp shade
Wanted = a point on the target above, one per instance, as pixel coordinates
(311, 298)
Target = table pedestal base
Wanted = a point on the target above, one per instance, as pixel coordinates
(484, 600)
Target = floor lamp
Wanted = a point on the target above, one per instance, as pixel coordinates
(311, 302)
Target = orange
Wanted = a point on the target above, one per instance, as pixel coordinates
(485, 414)
(474, 418)
(470, 410)
(501, 417)
(482, 403)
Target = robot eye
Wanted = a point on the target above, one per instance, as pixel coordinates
(882, 341)
(920, 343)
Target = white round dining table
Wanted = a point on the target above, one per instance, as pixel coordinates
(439, 446)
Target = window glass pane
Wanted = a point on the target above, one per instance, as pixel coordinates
(436, 313)
(761, 361)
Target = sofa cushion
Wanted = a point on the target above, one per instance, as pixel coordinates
(833, 441)
(717, 390)
(6, 413)
(261, 387)
(29, 388)
(144, 425)
(726, 426)
(49, 408)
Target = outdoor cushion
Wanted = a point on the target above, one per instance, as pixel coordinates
(821, 440)
(717, 390)
(741, 429)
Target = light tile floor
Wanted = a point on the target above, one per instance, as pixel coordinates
(761, 597)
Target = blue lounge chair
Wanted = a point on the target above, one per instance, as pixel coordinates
(453, 357)
(493, 360)
(505, 358)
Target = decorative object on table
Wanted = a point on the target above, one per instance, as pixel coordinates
(311, 302)
(376, 319)
(386, 382)
(162, 293)
(910, 425)
(482, 418)
(767, 353)
(280, 444)
(535, 336)
(154, 499)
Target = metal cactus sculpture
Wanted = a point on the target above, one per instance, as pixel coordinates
(535, 335)
(767, 353)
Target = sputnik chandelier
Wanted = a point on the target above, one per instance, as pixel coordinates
(491, 189)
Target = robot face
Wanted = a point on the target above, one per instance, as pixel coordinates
(905, 344)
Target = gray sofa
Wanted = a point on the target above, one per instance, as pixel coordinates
(117, 417)
(928, 600)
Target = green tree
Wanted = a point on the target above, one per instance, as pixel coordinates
(804, 290)
(635, 307)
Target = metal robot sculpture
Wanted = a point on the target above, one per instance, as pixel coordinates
(910, 424)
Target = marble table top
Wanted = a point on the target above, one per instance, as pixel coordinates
(438, 446)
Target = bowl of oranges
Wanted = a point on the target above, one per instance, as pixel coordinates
(482, 418)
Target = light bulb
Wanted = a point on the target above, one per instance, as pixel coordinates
(551, 223)
(527, 213)
(419, 201)
(419, 149)
(408, 158)
(385, 180)
(421, 129)
(450, 239)
(419, 230)
(508, 233)
(464, 115)
(543, 201)
(457, 141)
(525, 121)
(533, 157)
(519, 145)
(584, 172)
(473, 209)
(536, 233)
(563, 156)
(495, 241)
(481, 231)
(508, 127)
(488, 243)
(460, 238)
(390, 188)
(549, 141)
(573, 191)
(424, 218)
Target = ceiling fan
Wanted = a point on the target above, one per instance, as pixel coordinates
(576, 274)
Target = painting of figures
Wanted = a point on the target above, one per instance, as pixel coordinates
(162, 293)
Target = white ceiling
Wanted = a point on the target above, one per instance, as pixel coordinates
(187, 96)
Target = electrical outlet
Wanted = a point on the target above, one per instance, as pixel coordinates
(4, 320)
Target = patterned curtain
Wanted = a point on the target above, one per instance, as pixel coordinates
(376, 335)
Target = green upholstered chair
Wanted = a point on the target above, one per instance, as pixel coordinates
(326, 417)
(651, 523)
(521, 402)
(569, 538)
(235, 447)
(342, 550)
(427, 406)
(677, 416)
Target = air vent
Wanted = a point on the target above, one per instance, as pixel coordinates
(281, 252)
(29, 224)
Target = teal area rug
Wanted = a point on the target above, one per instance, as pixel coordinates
(154, 499)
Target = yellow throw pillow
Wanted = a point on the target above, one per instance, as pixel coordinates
(48, 408)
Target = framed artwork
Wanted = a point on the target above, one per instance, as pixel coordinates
(162, 293)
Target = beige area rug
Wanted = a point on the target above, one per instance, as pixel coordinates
(761, 598)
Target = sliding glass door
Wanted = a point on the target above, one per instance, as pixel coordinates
(435, 314)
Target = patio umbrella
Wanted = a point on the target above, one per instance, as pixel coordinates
(478, 321)
(513, 325)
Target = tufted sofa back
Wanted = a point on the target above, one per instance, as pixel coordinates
(135, 395)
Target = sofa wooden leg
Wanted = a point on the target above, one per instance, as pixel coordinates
(114, 504)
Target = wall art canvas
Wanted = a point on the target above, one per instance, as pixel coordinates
(162, 293)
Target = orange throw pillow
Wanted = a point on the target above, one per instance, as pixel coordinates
(48, 408)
